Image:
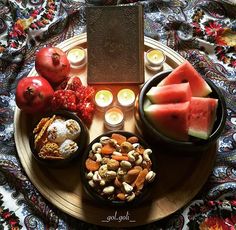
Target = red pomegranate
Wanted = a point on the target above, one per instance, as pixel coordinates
(52, 64)
(33, 94)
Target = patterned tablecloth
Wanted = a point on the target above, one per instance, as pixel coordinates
(204, 32)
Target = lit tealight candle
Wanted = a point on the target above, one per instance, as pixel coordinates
(114, 118)
(126, 98)
(103, 98)
(77, 57)
(155, 59)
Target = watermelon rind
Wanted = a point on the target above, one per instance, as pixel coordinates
(202, 112)
(187, 73)
(199, 134)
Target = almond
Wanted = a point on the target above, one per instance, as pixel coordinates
(121, 196)
(133, 140)
(117, 183)
(131, 176)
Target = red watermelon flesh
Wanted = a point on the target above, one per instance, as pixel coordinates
(186, 73)
(170, 119)
(202, 116)
(170, 93)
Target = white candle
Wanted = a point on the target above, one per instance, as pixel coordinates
(155, 59)
(77, 57)
(103, 98)
(114, 118)
(126, 97)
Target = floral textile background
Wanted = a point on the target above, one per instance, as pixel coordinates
(204, 32)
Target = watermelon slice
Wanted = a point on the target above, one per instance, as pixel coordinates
(186, 73)
(170, 93)
(170, 119)
(202, 116)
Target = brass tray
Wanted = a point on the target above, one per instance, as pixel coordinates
(179, 178)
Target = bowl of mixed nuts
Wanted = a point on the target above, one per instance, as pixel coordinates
(118, 169)
(58, 138)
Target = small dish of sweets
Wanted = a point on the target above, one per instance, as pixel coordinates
(118, 168)
(58, 138)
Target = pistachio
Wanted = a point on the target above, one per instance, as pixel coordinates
(126, 147)
(102, 183)
(125, 165)
(96, 177)
(110, 175)
(135, 145)
(120, 173)
(103, 170)
(108, 190)
(130, 197)
(127, 188)
(104, 140)
(91, 183)
(89, 175)
(113, 142)
(150, 176)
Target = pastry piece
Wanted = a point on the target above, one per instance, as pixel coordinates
(50, 151)
(57, 131)
(41, 124)
(67, 148)
(41, 134)
(73, 129)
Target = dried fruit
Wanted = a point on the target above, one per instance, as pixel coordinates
(139, 182)
(119, 138)
(107, 149)
(117, 177)
(91, 165)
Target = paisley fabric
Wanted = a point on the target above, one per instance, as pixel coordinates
(204, 32)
